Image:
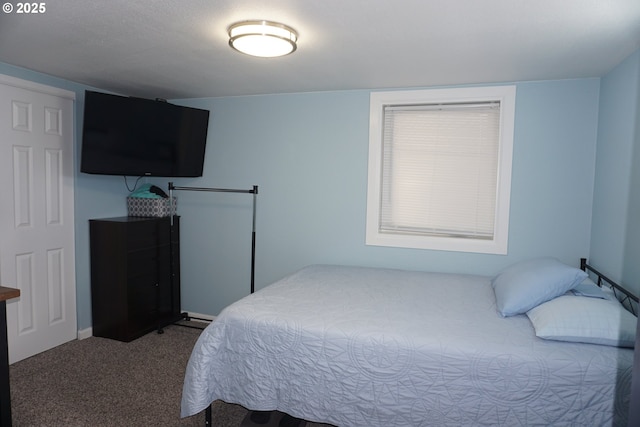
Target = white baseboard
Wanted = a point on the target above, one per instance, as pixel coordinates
(85, 333)
(196, 316)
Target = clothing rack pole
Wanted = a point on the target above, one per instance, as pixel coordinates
(253, 191)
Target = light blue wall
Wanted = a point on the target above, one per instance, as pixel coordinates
(308, 155)
(631, 267)
(615, 231)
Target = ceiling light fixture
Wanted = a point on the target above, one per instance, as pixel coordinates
(263, 38)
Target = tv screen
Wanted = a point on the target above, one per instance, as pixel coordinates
(141, 137)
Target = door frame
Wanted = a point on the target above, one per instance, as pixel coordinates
(32, 86)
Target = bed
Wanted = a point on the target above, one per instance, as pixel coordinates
(357, 346)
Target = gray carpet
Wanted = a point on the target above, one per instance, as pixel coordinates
(102, 382)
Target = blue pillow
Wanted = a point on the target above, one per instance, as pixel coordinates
(583, 319)
(589, 289)
(527, 284)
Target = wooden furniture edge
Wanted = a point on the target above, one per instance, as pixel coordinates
(8, 293)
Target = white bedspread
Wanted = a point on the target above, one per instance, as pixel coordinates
(379, 348)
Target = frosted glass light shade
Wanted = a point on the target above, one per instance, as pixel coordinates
(262, 38)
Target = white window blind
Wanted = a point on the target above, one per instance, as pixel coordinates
(440, 169)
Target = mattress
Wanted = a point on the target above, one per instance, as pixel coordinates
(373, 347)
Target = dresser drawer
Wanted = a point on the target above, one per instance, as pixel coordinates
(142, 262)
(142, 235)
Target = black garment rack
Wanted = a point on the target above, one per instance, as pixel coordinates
(253, 191)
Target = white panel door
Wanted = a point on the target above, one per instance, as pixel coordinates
(36, 215)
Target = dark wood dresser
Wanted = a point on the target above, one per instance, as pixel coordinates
(135, 275)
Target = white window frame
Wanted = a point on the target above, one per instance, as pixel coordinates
(506, 96)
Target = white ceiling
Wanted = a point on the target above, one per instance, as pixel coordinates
(179, 48)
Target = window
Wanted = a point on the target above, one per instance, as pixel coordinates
(440, 168)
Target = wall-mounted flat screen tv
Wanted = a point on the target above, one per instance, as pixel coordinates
(142, 137)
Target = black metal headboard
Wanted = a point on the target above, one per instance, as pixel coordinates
(625, 296)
